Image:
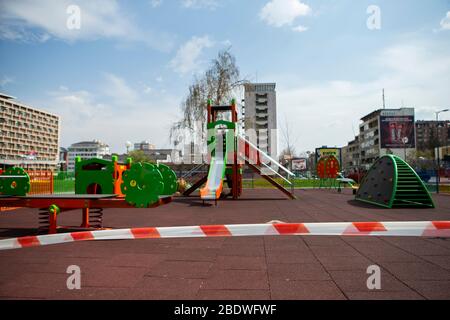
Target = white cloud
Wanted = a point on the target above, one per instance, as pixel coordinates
(413, 75)
(86, 115)
(155, 3)
(117, 89)
(283, 12)
(300, 28)
(29, 20)
(445, 23)
(200, 4)
(188, 55)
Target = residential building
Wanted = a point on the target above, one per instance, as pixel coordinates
(29, 137)
(63, 159)
(164, 155)
(431, 133)
(386, 131)
(86, 150)
(260, 118)
(350, 155)
(144, 145)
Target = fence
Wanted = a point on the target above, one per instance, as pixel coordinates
(48, 182)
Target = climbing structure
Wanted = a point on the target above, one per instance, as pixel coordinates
(392, 183)
(327, 170)
(228, 152)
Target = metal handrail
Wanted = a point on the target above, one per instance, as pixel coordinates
(268, 157)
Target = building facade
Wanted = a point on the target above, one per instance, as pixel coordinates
(386, 131)
(164, 155)
(86, 150)
(144, 145)
(430, 134)
(350, 155)
(63, 159)
(260, 118)
(29, 137)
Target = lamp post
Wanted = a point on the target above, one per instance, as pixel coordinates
(438, 145)
(128, 146)
(405, 141)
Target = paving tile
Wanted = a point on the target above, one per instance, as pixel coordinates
(242, 250)
(239, 263)
(297, 271)
(181, 269)
(442, 261)
(345, 263)
(356, 280)
(384, 295)
(233, 295)
(189, 254)
(21, 291)
(290, 257)
(431, 289)
(169, 288)
(328, 241)
(236, 279)
(136, 260)
(338, 251)
(112, 277)
(305, 290)
(417, 271)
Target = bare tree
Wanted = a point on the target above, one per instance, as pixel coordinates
(217, 84)
(288, 140)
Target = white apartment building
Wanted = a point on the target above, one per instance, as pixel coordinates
(86, 150)
(261, 116)
(29, 137)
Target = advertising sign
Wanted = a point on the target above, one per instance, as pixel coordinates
(325, 151)
(298, 164)
(397, 131)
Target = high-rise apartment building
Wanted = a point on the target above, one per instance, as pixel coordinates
(29, 137)
(260, 117)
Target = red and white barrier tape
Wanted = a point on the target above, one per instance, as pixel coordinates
(397, 228)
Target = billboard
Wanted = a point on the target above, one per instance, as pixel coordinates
(299, 164)
(325, 151)
(397, 131)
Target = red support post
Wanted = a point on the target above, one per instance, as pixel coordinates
(85, 217)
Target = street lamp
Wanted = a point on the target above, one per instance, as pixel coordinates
(128, 145)
(438, 145)
(405, 141)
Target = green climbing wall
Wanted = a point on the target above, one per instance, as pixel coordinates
(392, 183)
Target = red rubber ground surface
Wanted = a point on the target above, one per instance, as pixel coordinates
(308, 267)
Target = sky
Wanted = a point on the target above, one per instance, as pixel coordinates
(120, 72)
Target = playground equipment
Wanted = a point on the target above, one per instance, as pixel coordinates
(228, 152)
(327, 170)
(99, 176)
(99, 184)
(14, 181)
(342, 181)
(392, 183)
